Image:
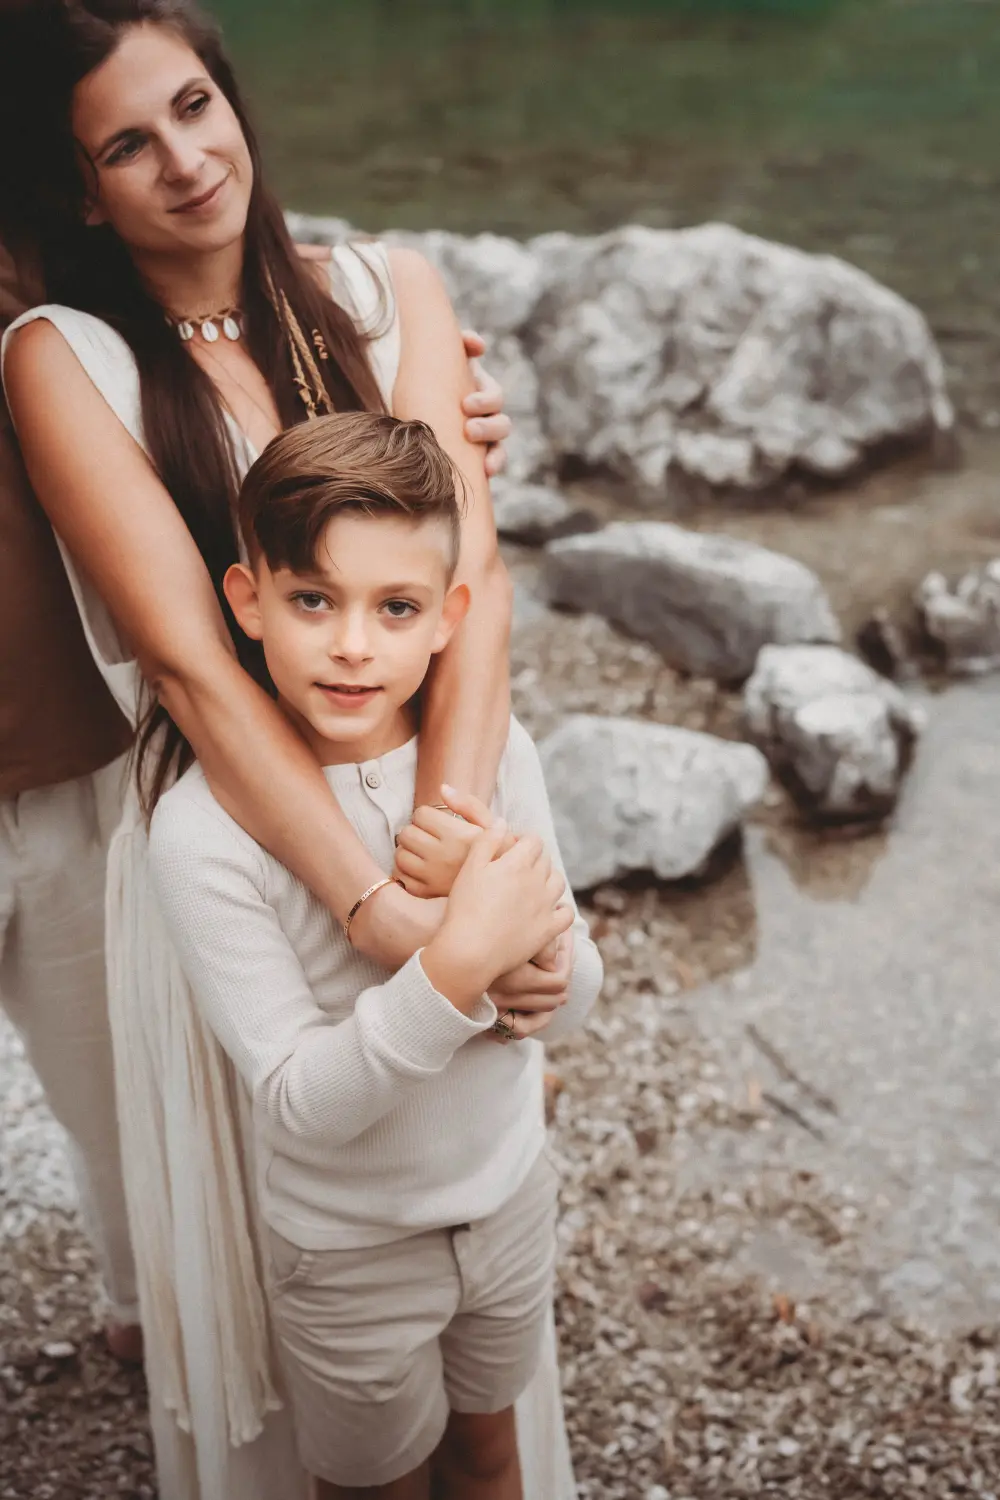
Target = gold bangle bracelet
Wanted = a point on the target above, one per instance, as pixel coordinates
(379, 884)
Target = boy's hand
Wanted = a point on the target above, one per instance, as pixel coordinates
(528, 997)
(432, 848)
(502, 909)
(530, 989)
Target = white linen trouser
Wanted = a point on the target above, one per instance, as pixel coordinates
(52, 985)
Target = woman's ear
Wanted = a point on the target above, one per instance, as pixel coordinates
(456, 607)
(240, 589)
(93, 215)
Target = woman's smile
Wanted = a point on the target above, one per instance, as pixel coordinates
(206, 202)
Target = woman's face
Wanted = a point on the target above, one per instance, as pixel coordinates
(166, 160)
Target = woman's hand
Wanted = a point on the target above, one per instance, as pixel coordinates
(486, 422)
(433, 846)
(502, 909)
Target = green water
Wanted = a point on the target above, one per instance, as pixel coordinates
(869, 129)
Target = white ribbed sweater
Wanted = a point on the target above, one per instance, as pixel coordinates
(379, 1109)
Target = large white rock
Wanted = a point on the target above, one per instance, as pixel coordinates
(628, 795)
(965, 620)
(707, 602)
(704, 356)
(494, 282)
(837, 731)
(710, 355)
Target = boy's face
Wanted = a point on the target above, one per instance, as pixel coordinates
(348, 643)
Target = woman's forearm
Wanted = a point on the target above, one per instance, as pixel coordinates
(466, 713)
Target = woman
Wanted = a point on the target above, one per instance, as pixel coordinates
(142, 190)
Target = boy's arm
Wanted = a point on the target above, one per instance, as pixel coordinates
(523, 803)
(318, 1079)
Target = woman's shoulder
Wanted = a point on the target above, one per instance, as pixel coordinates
(362, 282)
(72, 323)
(36, 345)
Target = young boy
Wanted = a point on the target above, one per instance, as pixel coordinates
(408, 1204)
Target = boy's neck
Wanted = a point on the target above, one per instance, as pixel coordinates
(398, 728)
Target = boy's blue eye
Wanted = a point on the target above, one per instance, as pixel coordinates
(400, 609)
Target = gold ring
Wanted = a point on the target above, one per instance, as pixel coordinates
(504, 1028)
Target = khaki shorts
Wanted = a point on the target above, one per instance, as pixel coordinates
(378, 1344)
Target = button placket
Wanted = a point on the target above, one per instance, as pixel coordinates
(380, 793)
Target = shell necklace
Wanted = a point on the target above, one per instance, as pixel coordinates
(209, 326)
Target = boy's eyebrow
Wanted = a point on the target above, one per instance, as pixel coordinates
(410, 586)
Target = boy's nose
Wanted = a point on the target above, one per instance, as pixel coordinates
(351, 643)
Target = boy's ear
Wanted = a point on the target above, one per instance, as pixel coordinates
(240, 589)
(456, 607)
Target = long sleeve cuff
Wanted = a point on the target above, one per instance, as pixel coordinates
(410, 1020)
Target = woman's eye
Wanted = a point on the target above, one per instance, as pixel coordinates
(125, 150)
(311, 603)
(197, 105)
(400, 609)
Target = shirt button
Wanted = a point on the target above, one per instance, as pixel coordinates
(373, 779)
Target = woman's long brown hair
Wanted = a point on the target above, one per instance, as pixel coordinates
(47, 47)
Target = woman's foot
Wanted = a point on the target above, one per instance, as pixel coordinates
(124, 1340)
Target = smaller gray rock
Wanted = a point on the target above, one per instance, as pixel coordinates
(885, 645)
(535, 514)
(628, 795)
(840, 734)
(964, 621)
(707, 602)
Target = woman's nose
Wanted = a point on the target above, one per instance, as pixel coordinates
(182, 157)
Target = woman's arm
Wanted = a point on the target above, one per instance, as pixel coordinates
(467, 698)
(108, 506)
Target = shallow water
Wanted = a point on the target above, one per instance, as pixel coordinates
(870, 1020)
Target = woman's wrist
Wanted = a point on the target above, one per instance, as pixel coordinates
(393, 925)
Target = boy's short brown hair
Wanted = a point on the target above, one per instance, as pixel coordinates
(356, 461)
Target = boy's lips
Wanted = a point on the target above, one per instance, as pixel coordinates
(346, 695)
